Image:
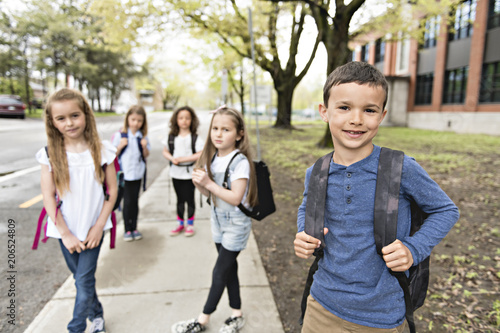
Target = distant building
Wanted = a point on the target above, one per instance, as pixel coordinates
(450, 82)
(151, 100)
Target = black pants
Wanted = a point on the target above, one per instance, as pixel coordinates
(131, 204)
(225, 274)
(184, 188)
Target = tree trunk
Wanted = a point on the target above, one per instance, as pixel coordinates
(11, 84)
(55, 72)
(284, 119)
(98, 93)
(27, 87)
(27, 79)
(241, 92)
(337, 55)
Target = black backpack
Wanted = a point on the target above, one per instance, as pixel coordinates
(390, 168)
(265, 204)
(171, 146)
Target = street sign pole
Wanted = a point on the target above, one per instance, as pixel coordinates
(250, 30)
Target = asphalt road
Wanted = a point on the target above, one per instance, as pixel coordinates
(28, 278)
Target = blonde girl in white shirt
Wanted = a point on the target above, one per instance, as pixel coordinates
(72, 187)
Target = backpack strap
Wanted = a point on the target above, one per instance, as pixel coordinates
(193, 142)
(171, 145)
(43, 213)
(145, 164)
(123, 135)
(106, 197)
(315, 218)
(316, 198)
(226, 173)
(112, 231)
(390, 169)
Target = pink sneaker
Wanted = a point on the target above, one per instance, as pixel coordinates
(189, 231)
(176, 231)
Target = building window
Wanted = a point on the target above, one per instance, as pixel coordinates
(490, 83)
(403, 56)
(431, 31)
(494, 14)
(455, 85)
(464, 19)
(423, 94)
(365, 52)
(353, 53)
(379, 50)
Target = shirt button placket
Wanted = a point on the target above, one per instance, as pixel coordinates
(348, 188)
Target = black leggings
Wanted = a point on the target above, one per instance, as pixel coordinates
(184, 188)
(225, 274)
(131, 204)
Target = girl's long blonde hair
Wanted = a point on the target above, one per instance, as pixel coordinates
(243, 145)
(137, 109)
(55, 139)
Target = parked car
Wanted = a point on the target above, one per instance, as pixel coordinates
(11, 105)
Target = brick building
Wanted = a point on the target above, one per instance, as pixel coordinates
(450, 81)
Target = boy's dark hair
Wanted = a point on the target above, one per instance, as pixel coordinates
(174, 127)
(358, 72)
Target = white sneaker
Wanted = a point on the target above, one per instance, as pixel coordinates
(188, 326)
(232, 325)
(97, 325)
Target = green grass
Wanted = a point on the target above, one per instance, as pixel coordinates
(441, 152)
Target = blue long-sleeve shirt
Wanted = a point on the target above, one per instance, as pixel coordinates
(353, 281)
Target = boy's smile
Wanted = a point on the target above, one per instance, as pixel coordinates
(354, 114)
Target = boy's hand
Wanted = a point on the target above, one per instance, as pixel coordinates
(72, 243)
(397, 256)
(305, 244)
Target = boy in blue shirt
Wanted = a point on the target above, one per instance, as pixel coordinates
(353, 289)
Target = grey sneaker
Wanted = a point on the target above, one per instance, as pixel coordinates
(188, 326)
(128, 236)
(137, 235)
(232, 325)
(97, 325)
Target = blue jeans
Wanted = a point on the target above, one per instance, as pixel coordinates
(83, 266)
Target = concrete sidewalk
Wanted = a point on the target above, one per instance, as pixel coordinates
(148, 285)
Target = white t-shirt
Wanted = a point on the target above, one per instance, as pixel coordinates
(242, 170)
(182, 148)
(83, 203)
